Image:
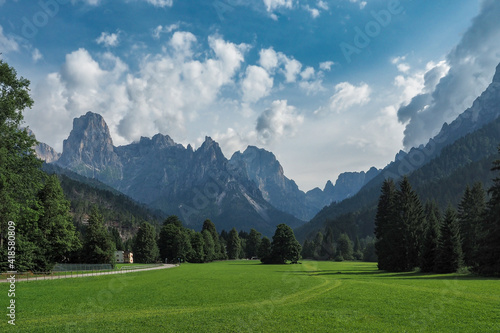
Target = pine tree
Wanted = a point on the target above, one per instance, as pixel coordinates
(358, 253)
(470, 213)
(208, 246)
(145, 246)
(411, 216)
(197, 244)
(431, 238)
(210, 227)
(387, 237)
(233, 244)
(98, 248)
(265, 250)
(253, 243)
(55, 237)
(344, 247)
(488, 255)
(328, 246)
(449, 255)
(115, 235)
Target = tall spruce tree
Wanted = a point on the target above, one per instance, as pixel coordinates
(449, 255)
(233, 244)
(388, 239)
(253, 243)
(55, 236)
(470, 214)
(98, 247)
(344, 247)
(430, 244)
(488, 255)
(411, 216)
(197, 253)
(208, 246)
(145, 246)
(265, 250)
(210, 227)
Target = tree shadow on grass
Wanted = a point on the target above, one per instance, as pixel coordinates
(414, 275)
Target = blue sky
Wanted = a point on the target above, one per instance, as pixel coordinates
(327, 85)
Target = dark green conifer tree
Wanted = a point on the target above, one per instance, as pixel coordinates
(208, 246)
(449, 255)
(344, 247)
(210, 227)
(98, 247)
(431, 237)
(145, 246)
(253, 243)
(233, 244)
(388, 238)
(488, 255)
(470, 214)
(265, 250)
(411, 215)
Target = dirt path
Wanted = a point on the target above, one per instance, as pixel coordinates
(53, 277)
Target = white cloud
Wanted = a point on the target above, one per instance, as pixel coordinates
(182, 43)
(313, 11)
(164, 30)
(256, 84)
(323, 5)
(36, 55)
(307, 74)
(88, 2)
(7, 44)
(292, 68)
(268, 59)
(272, 5)
(346, 96)
(362, 4)
(326, 66)
(278, 121)
(108, 39)
(161, 3)
(471, 67)
(168, 90)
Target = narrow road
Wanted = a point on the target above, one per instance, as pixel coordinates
(53, 277)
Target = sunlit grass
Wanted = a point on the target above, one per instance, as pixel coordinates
(245, 296)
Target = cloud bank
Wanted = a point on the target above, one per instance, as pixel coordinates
(471, 67)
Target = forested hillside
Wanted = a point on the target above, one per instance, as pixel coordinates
(444, 179)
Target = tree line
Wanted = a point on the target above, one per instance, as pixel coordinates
(410, 235)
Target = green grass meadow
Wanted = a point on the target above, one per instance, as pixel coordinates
(246, 296)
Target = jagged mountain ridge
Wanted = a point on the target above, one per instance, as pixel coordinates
(194, 184)
(264, 169)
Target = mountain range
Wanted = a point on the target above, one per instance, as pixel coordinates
(249, 190)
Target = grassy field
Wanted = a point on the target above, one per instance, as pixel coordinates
(245, 296)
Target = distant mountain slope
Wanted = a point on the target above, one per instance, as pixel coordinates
(476, 148)
(444, 179)
(119, 210)
(262, 167)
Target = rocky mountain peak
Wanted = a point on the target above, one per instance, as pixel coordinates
(89, 147)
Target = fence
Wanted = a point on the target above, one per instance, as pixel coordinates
(81, 267)
(73, 271)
